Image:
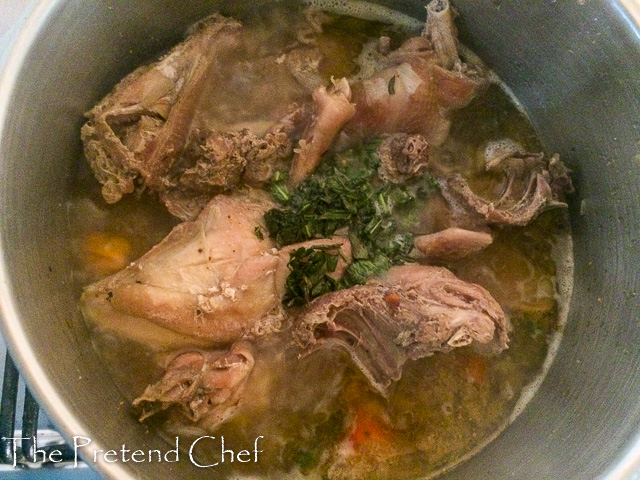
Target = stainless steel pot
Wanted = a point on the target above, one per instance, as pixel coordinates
(574, 64)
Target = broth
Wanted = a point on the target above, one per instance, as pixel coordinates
(318, 415)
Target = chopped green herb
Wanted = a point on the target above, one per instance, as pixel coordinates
(362, 270)
(278, 187)
(330, 199)
(258, 232)
(346, 192)
(310, 274)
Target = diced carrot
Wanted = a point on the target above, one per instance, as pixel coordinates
(369, 430)
(476, 368)
(105, 253)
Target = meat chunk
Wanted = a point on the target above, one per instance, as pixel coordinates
(203, 387)
(211, 279)
(277, 145)
(140, 129)
(422, 82)
(532, 184)
(441, 30)
(413, 93)
(451, 244)
(216, 161)
(412, 312)
(332, 110)
(154, 130)
(402, 156)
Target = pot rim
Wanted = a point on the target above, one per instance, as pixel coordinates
(630, 11)
(20, 349)
(627, 466)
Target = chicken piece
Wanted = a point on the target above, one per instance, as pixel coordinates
(402, 156)
(420, 83)
(203, 387)
(423, 81)
(216, 161)
(442, 32)
(532, 184)
(332, 110)
(411, 312)
(140, 129)
(219, 159)
(167, 126)
(451, 244)
(277, 145)
(209, 282)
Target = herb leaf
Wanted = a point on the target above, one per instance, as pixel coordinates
(309, 277)
(277, 187)
(362, 270)
(345, 192)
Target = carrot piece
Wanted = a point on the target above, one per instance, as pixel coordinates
(476, 368)
(105, 253)
(369, 430)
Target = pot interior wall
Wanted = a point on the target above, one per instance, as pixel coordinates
(574, 67)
